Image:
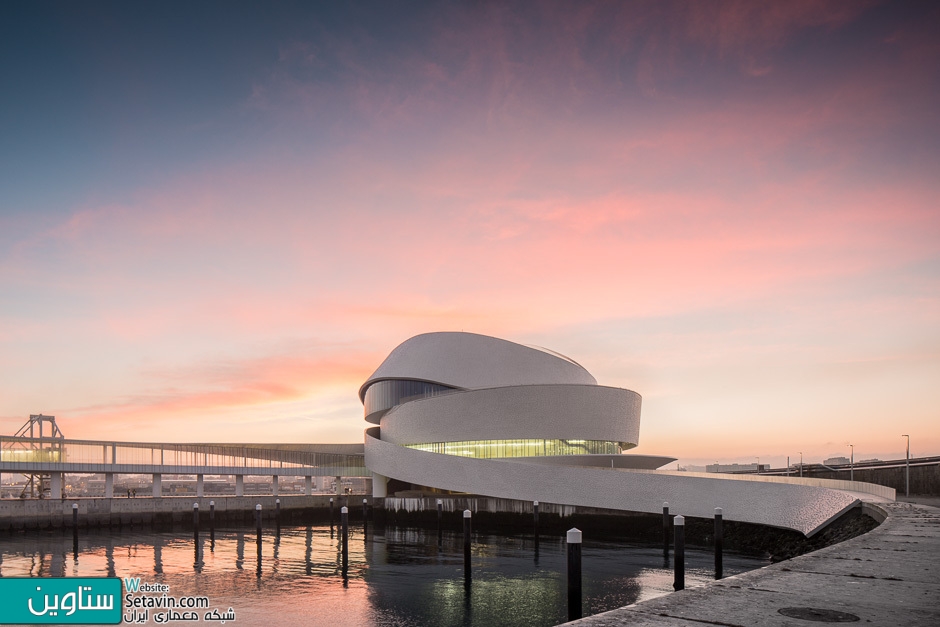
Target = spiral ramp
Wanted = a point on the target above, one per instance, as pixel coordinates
(468, 413)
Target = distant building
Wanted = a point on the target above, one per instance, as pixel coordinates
(837, 461)
(737, 468)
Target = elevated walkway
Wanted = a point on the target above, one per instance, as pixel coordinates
(54, 456)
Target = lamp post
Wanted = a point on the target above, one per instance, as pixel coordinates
(801, 463)
(907, 467)
(852, 463)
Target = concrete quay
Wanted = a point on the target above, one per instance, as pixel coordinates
(890, 576)
(18, 514)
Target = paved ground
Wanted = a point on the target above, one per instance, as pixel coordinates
(933, 501)
(889, 576)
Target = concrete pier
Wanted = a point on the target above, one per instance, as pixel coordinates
(888, 576)
(167, 510)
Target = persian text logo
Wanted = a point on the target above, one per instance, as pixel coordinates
(60, 600)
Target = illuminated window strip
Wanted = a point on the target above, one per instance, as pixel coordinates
(495, 449)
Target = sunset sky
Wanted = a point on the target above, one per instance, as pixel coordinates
(216, 219)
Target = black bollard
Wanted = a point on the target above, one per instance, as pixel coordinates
(277, 514)
(679, 583)
(535, 516)
(365, 509)
(212, 526)
(197, 561)
(258, 537)
(258, 567)
(331, 512)
(666, 529)
(75, 530)
(440, 531)
(344, 522)
(466, 544)
(196, 534)
(719, 544)
(574, 574)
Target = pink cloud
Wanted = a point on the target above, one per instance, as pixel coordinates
(213, 395)
(498, 196)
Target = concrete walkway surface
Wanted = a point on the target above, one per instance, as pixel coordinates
(889, 576)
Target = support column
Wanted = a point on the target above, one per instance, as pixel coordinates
(109, 485)
(339, 485)
(55, 485)
(274, 484)
(379, 486)
(157, 485)
(239, 485)
(308, 486)
(199, 485)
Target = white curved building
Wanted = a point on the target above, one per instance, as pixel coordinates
(469, 413)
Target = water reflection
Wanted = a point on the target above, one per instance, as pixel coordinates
(158, 554)
(109, 556)
(392, 576)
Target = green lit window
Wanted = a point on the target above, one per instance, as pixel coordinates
(493, 449)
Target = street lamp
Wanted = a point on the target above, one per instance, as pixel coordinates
(852, 464)
(801, 463)
(907, 467)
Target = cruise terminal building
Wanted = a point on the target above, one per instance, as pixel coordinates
(467, 413)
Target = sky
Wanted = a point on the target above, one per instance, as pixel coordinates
(218, 218)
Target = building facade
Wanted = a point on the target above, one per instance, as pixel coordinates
(468, 413)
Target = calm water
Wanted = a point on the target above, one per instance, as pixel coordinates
(395, 577)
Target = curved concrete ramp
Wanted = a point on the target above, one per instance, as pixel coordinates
(789, 505)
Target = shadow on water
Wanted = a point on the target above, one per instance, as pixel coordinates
(391, 575)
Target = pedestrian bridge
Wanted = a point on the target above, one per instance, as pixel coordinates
(54, 456)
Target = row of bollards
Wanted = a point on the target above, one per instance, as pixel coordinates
(574, 540)
(198, 557)
(574, 537)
